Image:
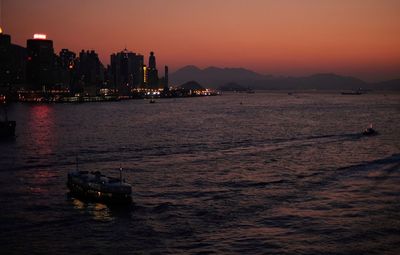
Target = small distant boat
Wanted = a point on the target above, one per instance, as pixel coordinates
(152, 101)
(369, 131)
(98, 187)
(7, 127)
(357, 92)
(250, 91)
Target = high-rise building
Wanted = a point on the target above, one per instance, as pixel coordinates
(66, 71)
(166, 84)
(127, 70)
(145, 74)
(40, 62)
(90, 72)
(12, 63)
(5, 60)
(152, 73)
(152, 61)
(67, 59)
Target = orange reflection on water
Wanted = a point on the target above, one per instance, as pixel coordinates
(98, 211)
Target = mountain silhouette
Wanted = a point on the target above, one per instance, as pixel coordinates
(388, 85)
(215, 77)
(232, 86)
(191, 85)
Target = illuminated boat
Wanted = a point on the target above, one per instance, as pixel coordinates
(98, 187)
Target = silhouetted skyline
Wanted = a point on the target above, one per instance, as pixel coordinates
(357, 38)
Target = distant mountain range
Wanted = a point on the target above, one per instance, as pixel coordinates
(214, 77)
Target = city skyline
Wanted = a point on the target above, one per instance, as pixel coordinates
(39, 74)
(357, 38)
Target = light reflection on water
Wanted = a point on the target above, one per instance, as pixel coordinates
(98, 212)
(276, 174)
(41, 127)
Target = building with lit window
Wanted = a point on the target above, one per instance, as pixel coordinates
(67, 58)
(12, 63)
(39, 69)
(126, 71)
(66, 71)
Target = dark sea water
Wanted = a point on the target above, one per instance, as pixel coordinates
(277, 174)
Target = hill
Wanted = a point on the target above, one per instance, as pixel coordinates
(387, 85)
(232, 86)
(214, 77)
(191, 85)
(230, 78)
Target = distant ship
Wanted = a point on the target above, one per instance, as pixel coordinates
(7, 127)
(98, 187)
(356, 92)
(249, 90)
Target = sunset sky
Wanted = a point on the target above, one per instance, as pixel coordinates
(287, 37)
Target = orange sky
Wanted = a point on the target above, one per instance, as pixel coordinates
(285, 37)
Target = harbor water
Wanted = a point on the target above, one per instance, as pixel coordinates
(263, 173)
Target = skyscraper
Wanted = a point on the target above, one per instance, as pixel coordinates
(127, 70)
(152, 73)
(166, 83)
(12, 62)
(67, 59)
(152, 61)
(40, 62)
(5, 60)
(90, 72)
(67, 69)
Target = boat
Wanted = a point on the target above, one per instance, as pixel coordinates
(249, 90)
(152, 101)
(369, 131)
(7, 127)
(356, 92)
(98, 187)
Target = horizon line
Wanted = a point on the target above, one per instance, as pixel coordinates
(222, 67)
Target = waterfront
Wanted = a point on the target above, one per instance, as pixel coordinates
(277, 174)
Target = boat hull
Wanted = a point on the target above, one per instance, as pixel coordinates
(352, 93)
(98, 191)
(369, 133)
